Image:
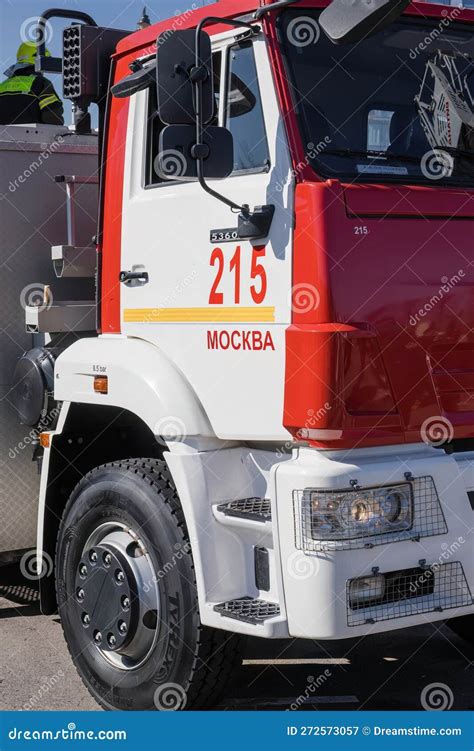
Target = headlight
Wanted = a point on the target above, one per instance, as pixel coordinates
(335, 515)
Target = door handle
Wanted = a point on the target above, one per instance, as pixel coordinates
(134, 276)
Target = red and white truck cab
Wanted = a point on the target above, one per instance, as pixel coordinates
(272, 432)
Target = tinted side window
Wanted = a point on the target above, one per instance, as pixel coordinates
(244, 111)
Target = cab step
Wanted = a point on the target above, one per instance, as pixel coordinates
(256, 509)
(248, 610)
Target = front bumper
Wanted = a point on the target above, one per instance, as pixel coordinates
(428, 576)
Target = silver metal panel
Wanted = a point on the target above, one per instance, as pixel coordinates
(32, 220)
(63, 317)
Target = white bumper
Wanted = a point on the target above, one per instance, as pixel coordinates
(315, 585)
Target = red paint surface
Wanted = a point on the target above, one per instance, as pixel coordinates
(355, 359)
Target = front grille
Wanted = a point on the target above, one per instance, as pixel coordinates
(411, 592)
(428, 521)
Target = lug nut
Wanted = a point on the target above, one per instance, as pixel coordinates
(98, 637)
(125, 602)
(107, 559)
(119, 576)
(93, 556)
(86, 619)
(111, 640)
(122, 627)
(83, 569)
(80, 594)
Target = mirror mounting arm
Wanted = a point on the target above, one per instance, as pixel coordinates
(253, 229)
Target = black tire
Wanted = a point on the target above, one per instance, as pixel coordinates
(189, 665)
(463, 627)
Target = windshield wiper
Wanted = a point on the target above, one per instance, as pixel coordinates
(453, 151)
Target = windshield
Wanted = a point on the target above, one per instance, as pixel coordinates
(397, 107)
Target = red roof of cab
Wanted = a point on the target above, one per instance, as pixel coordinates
(231, 8)
(185, 20)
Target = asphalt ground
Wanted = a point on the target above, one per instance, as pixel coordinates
(398, 670)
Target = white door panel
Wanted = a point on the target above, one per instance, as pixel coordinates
(229, 345)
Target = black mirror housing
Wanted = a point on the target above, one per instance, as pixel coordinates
(176, 66)
(351, 21)
(178, 154)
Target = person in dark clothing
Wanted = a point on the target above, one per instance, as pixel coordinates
(27, 96)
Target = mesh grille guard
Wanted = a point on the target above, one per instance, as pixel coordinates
(428, 521)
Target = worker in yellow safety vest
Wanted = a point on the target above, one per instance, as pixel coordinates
(27, 96)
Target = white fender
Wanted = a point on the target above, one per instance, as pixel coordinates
(141, 379)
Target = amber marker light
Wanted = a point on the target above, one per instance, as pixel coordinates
(101, 384)
(45, 440)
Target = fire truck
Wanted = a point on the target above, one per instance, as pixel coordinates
(244, 359)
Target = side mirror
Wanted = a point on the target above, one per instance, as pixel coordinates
(351, 21)
(178, 153)
(177, 73)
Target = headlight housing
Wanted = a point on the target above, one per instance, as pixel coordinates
(329, 515)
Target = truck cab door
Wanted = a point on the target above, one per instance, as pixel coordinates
(217, 306)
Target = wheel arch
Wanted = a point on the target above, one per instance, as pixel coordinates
(87, 437)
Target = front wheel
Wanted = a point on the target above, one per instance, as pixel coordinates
(127, 594)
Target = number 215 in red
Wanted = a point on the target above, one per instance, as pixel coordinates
(257, 281)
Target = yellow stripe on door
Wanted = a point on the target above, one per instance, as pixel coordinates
(200, 315)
